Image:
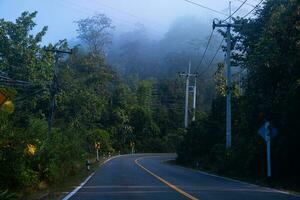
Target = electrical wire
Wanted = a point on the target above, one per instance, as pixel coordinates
(246, 14)
(36, 92)
(206, 48)
(90, 11)
(252, 9)
(210, 37)
(6, 81)
(205, 7)
(127, 13)
(212, 60)
(249, 4)
(239, 73)
(235, 10)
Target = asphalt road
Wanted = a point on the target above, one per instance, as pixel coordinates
(148, 176)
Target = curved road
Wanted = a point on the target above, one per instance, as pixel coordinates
(148, 176)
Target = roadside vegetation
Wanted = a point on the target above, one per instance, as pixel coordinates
(124, 92)
(268, 49)
(93, 104)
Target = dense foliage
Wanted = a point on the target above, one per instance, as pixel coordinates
(267, 48)
(129, 98)
(93, 104)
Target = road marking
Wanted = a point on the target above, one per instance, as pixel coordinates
(166, 182)
(263, 188)
(85, 181)
(78, 188)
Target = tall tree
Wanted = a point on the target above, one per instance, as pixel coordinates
(95, 32)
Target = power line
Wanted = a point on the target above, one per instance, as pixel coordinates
(212, 60)
(121, 20)
(235, 11)
(36, 92)
(202, 58)
(247, 13)
(205, 7)
(253, 9)
(239, 73)
(6, 81)
(249, 4)
(244, 2)
(125, 12)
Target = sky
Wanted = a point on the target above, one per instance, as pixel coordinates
(157, 15)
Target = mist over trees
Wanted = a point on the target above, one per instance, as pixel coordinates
(138, 53)
(95, 101)
(123, 91)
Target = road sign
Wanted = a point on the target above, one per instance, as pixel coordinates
(97, 145)
(267, 129)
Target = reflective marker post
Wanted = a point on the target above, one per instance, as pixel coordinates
(97, 147)
(97, 155)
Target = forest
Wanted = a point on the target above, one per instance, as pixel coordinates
(267, 50)
(58, 100)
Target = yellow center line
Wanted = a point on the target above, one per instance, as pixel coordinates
(166, 182)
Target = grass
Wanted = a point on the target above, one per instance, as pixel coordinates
(61, 189)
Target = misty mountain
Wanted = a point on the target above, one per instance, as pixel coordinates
(138, 52)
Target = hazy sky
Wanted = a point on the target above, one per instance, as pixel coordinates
(156, 15)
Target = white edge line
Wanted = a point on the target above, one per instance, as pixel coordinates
(78, 188)
(86, 180)
(238, 181)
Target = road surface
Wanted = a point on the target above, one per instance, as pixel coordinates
(148, 176)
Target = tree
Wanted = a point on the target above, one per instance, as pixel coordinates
(95, 32)
(267, 48)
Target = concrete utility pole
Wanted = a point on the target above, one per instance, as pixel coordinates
(186, 110)
(195, 98)
(54, 86)
(229, 84)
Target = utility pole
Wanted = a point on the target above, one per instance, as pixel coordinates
(187, 87)
(228, 74)
(195, 98)
(54, 86)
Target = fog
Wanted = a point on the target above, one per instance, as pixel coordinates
(150, 38)
(155, 15)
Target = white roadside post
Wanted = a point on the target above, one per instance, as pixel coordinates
(97, 155)
(97, 147)
(132, 144)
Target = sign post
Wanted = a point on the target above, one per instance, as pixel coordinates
(267, 132)
(97, 147)
(268, 140)
(132, 144)
(97, 155)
